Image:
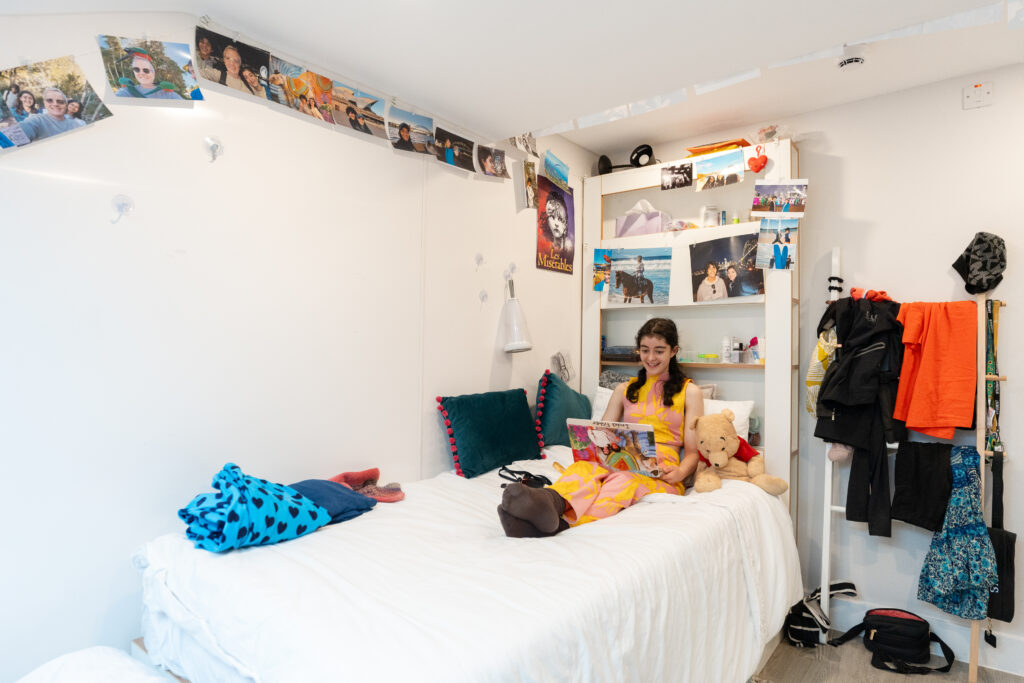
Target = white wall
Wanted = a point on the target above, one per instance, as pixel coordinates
(901, 183)
(293, 308)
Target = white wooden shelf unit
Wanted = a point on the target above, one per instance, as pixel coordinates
(772, 317)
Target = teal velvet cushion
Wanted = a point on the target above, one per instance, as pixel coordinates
(556, 401)
(488, 430)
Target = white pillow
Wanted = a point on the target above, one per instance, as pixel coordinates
(741, 410)
(708, 390)
(600, 402)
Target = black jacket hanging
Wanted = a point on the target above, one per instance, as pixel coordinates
(856, 399)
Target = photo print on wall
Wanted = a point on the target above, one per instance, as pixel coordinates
(556, 170)
(410, 132)
(639, 276)
(524, 143)
(677, 175)
(777, 243)
(454, 150)
(149, 69)
(719, 171)
(724, 268)
(530, 183)
(49, 98)
(555, 230)
(361, 111)
(235, 65)
(300, 89)
(602, 268)
(780, 197)
(491, 161)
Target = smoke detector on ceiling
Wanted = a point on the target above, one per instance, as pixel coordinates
(852, 58)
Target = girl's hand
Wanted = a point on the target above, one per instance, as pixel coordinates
(671, 474)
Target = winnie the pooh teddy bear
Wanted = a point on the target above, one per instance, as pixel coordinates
(725, 455)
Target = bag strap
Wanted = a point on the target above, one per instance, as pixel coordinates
(997, 490)
(881, 661)
(849, 635)
(522, 476)
(835, 588)
(512, 475)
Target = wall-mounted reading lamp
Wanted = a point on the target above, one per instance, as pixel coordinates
(516, 334)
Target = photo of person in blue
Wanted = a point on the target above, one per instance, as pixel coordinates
(145, 84)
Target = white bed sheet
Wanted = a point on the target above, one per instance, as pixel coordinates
(683, 588)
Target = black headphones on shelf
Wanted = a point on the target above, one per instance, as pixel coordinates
(643, 155)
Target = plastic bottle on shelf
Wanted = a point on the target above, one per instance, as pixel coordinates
(726, 352)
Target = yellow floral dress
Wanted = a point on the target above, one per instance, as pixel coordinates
(592, 491)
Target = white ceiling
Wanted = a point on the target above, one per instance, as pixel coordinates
(496, 69)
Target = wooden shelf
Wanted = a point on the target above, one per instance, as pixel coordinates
(712, 366)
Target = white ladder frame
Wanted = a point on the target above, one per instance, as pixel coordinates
(829, 508)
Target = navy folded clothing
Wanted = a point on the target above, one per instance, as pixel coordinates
(340, 501)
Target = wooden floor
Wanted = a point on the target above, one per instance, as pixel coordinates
(851, 663)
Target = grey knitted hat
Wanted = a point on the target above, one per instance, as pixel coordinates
(982, 263)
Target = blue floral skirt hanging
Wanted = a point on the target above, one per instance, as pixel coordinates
(960, 567)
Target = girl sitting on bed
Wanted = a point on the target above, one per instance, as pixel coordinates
(661, 396)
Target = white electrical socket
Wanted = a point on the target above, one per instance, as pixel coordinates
(978, 95)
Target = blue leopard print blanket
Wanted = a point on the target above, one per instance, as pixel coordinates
(248, 511)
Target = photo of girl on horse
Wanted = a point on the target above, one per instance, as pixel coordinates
(640, 275)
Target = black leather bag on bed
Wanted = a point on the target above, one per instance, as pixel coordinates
(897, 640)
(806, 621)
(534, 481)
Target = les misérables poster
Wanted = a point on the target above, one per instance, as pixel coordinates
(556, 233)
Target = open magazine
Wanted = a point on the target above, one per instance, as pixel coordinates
(616, 445)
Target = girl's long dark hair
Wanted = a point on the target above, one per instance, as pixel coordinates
(666, 329)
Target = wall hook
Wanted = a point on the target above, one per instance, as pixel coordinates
(214, 147)
(122, 204)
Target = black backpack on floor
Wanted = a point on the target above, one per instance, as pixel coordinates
(806, 622)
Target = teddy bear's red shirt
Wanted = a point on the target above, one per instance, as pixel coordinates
(745, 452)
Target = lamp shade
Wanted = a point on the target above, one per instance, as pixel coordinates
(517, 336)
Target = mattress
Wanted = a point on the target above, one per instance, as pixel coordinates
(429, 589)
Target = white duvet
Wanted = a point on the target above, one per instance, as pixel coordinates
(429, 589)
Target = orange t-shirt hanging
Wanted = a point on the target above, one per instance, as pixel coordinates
(939, 373)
